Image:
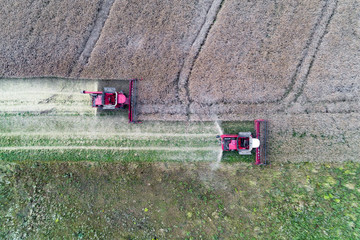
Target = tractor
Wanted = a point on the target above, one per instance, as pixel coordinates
(244, 142)
(111, 99)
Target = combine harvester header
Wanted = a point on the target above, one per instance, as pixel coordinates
(110, 99)
(244, 142)
(261, 134)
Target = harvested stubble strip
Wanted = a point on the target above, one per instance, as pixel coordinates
(108, 154)
(97, 125)
(112, 141)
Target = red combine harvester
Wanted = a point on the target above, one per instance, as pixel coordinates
(244, 143)
(111, 99)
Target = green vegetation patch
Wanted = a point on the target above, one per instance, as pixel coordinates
(139, 200)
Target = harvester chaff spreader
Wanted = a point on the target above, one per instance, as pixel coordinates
(111, 99)
(244, 142)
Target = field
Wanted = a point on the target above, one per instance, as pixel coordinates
(289, 57)
(206, 67)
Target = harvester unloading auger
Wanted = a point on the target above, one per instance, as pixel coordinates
(244, 143)
(111, 99)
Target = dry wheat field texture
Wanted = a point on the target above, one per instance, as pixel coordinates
(206, 67)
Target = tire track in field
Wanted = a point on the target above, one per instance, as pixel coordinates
(313, 57)
(98, 25)
(297, 81)
(185, 72)
(299, 77)
(313, 44)
(174, 149)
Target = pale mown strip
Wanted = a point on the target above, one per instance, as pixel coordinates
(106, 124)
(107, 154)
(152, 148)
(112, 134)
(108, 141)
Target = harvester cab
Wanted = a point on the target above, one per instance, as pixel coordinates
(244, 142)
(110, 99)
